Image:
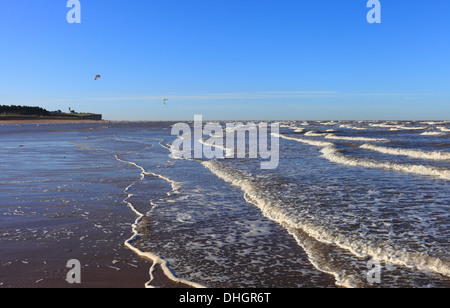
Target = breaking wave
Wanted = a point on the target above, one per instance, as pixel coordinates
(274, 209)
(432, 133)
(410, 153)
(336, 156)
(333, 154)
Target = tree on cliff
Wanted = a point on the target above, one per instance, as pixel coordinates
(23, 110)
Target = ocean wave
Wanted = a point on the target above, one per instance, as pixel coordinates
(352, 127)
(410, 153)
(443, 128)
(270, 207)
(329, 123)
(432, 133)
(331, 153)
(395, 127)
(335, 137)
(433, 122)
(382, 125)
(412, 127)
(267, 205)
(297, 129)
(228, 152)
(307, 141)
(313, 133)
(329, 135)
(336, 156)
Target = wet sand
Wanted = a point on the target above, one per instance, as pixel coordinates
(66, 198)
(108, 264)
(63, 206)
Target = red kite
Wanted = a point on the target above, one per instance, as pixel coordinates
(97, 76)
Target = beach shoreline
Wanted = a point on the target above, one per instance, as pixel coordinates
(76, 211)
(112, 197)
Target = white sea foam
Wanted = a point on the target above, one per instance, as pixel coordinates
(297, 129)
(313, 133)
(264, 203)
(407, 152)
(335, 137)
(358, 247)
(148, 255)
(228, 152)
(352, 127)
(293, 127)
(334, 155)
(317, 143)
(411, 127)
(329, 135)
(431, 123)
(432, 133)
(331, 153)
(443, 128)
(395, 127)
(383, 125)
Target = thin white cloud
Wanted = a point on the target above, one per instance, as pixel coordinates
(242, 96)
(382, 94)
(220, 96)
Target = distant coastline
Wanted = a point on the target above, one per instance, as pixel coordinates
(10, 114)
(48, 121)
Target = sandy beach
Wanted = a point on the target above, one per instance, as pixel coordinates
(67, 210)
(81, 191)
(38, 265)
(105, 260)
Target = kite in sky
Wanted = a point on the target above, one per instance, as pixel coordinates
(164, 101)
(97, 76)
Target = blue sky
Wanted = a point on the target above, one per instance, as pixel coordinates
(229, 59)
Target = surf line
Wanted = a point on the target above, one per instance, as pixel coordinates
(333, 154)
(147, 255)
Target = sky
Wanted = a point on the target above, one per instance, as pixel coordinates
(229, 59)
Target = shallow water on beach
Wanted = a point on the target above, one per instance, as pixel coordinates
(343, 194)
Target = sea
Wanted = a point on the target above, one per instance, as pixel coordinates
(350, 204)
